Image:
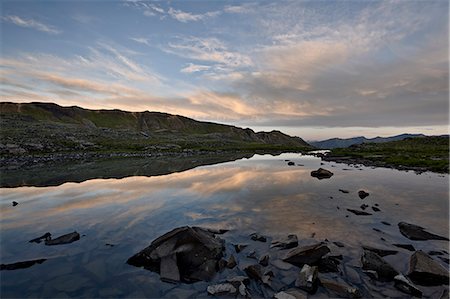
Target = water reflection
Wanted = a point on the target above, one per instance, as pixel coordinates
(260, 194)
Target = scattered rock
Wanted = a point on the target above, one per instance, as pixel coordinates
(222, 264)
(344, 191)
(405, 246)
(221, 289)
(64, 239)
(321, 174)
(290, 294)
(264, 260)
(231, 262)
(258, 237)
(362, 194)
(21, 265)
(289, 242)
(372, 261)
(380, 252)
(192, 252)
(364, 206)
(252, 254)
(306, 255)
(329, 264)
(338, 244)
(307, 278)
(291, 163)
(46, 236)
(415, 232)
(375, 209)
(254, 272)
(405, 285)
(359, 213)
(239, 247)
(385, 223)
(15, 203)
(340, 288)
(423, 270)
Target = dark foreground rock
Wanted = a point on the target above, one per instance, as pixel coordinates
(64, 239)
(15, 203)
(290, 294)
(341, 289)
(289, 242)
(418, 233)
(405, 285)
(372, 261)
(321, 174)
(21, 265)
(186, 254)
(307, 278)
(424, 270)
(306, 255)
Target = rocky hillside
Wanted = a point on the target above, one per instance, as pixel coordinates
(48, 127)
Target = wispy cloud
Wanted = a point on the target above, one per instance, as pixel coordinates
(141, 40)
(30, 23)
(185, 17)
(193, 68)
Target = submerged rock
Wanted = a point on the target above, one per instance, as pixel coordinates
(21, 265)
(46, 236)
(372, 261)
(307, 278)
(321, 174)
(424, 270)
(306, 255)
(379, 251)
(239, 247)
(186, 254)
(64, 239)
(418, 233)
(359, 213)
(258, 237)
(289, 242)
(405, 285)
(362, 194)
(340, 288)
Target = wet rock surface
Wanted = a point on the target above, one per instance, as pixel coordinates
(185, 254)
(321, 174)
(381, 252)
(418, 233)
(424, 270)
(289, 242)
(372, 261)
(64, 239)
(21, 265)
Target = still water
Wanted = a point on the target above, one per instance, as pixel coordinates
(258, 194)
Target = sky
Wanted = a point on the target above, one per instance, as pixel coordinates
(314, 69)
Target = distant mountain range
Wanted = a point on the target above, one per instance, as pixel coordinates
(343, 143)
(50, 128)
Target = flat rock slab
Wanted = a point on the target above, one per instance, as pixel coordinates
(21, 265)
(424, 270)
(380, 251)
(306, 254)
(359, 213)
(417, 233)
(289, 242)
(64, 239)
(186, 254)
(372, 261)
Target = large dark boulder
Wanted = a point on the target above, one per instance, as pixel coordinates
(310, 255)
(186, 254)
(424, 270)
(321, 174)
(418, 233)
(372, 261)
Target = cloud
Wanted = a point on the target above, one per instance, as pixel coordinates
(193, 68)
(207, 49)
(30, 23)
(185, 17)
(141, 40)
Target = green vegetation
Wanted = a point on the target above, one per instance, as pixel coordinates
(431, 153)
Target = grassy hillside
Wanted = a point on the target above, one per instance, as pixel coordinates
(40, 128)
(430, 152)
